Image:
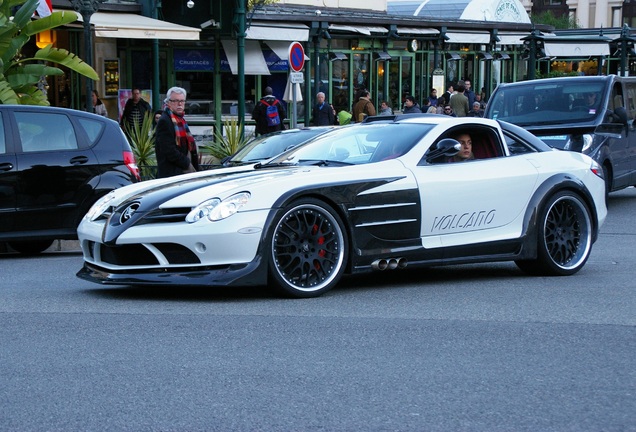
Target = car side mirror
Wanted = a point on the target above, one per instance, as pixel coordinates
(447, 147)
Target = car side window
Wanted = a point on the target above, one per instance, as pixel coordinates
(93, 128)
(517, 146)
(45, 132)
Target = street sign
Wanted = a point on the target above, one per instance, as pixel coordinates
(296, 56)
(296, 77)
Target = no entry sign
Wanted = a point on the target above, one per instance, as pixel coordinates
(296, 56)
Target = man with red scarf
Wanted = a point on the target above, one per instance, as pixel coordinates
(175, 147)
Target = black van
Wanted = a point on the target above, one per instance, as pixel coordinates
(593, 115)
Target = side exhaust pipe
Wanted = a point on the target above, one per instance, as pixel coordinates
(389, 264)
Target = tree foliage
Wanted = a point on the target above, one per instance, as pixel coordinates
(19, 76)
(558, 22)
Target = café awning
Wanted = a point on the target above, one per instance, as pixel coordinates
(132, 26)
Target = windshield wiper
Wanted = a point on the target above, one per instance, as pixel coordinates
(261, 165)
(323, 162)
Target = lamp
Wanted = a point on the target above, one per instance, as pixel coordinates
(382, 56)
(501, 56)
(45, 38)
(334, 56)
(452, 56)
(484, 55)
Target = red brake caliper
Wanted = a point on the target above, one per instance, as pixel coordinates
(321, 241)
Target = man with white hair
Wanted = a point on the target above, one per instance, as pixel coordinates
(175, 148)
(323, 113)
(476, 110)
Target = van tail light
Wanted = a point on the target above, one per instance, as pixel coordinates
(131, 163)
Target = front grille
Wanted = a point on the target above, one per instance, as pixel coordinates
(177, 254)
(127, 255)
(138, 255)
(169, 215)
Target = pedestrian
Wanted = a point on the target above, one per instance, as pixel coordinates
(157, 117)
(476, 110)
(468, 92)
(410, 106)
(269, 114)
(364, 107)
(448, 93)
(98, 106)
(134, 111)
(385, 109)
(432, 97)
(459, 102)
(323, 113)
(175, 147)
(448, 110)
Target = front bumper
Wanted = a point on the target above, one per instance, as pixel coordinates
(250, 274)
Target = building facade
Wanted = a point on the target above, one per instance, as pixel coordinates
(155, 45)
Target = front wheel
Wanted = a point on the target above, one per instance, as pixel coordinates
(564, 238)
(308, 244)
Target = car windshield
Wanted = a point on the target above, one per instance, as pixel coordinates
(535, 103)
(270, 145)
(357, 144)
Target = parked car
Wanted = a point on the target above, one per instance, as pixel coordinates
(373, 197)
(272, 144)
(593, 115)
(54, 164)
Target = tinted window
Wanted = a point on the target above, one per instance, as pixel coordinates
(93, 128)
(549, 102)
(45, 131)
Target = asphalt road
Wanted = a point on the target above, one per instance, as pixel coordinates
(463, 348)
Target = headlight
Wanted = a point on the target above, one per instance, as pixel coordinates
(587, 142)
(100, 206)
(579, 143)
(215, 209)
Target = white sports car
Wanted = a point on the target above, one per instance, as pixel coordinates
(369, 197)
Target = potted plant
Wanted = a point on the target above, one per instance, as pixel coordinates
(227, 141)
(142, 141)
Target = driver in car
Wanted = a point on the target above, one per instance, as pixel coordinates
(466, 152)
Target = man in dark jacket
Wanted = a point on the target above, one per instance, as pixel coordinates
(267, 122)
(323, 113)
(134, 110)
(410, 106)
(175, 147)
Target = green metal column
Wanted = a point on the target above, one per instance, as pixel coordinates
(240, 40)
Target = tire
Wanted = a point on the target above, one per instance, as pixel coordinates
(608, 181)
(308, 249)
(564, 240)
(31, 247)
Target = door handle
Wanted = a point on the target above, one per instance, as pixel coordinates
(6, 166)
(78, 160)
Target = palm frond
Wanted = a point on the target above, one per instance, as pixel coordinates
(65, 58)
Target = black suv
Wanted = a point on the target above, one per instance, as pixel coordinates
(54, 164)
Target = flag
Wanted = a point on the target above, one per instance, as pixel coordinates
(44, 8)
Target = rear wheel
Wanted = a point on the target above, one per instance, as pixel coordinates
(31, 247)
(564, 237)
(308, 244)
